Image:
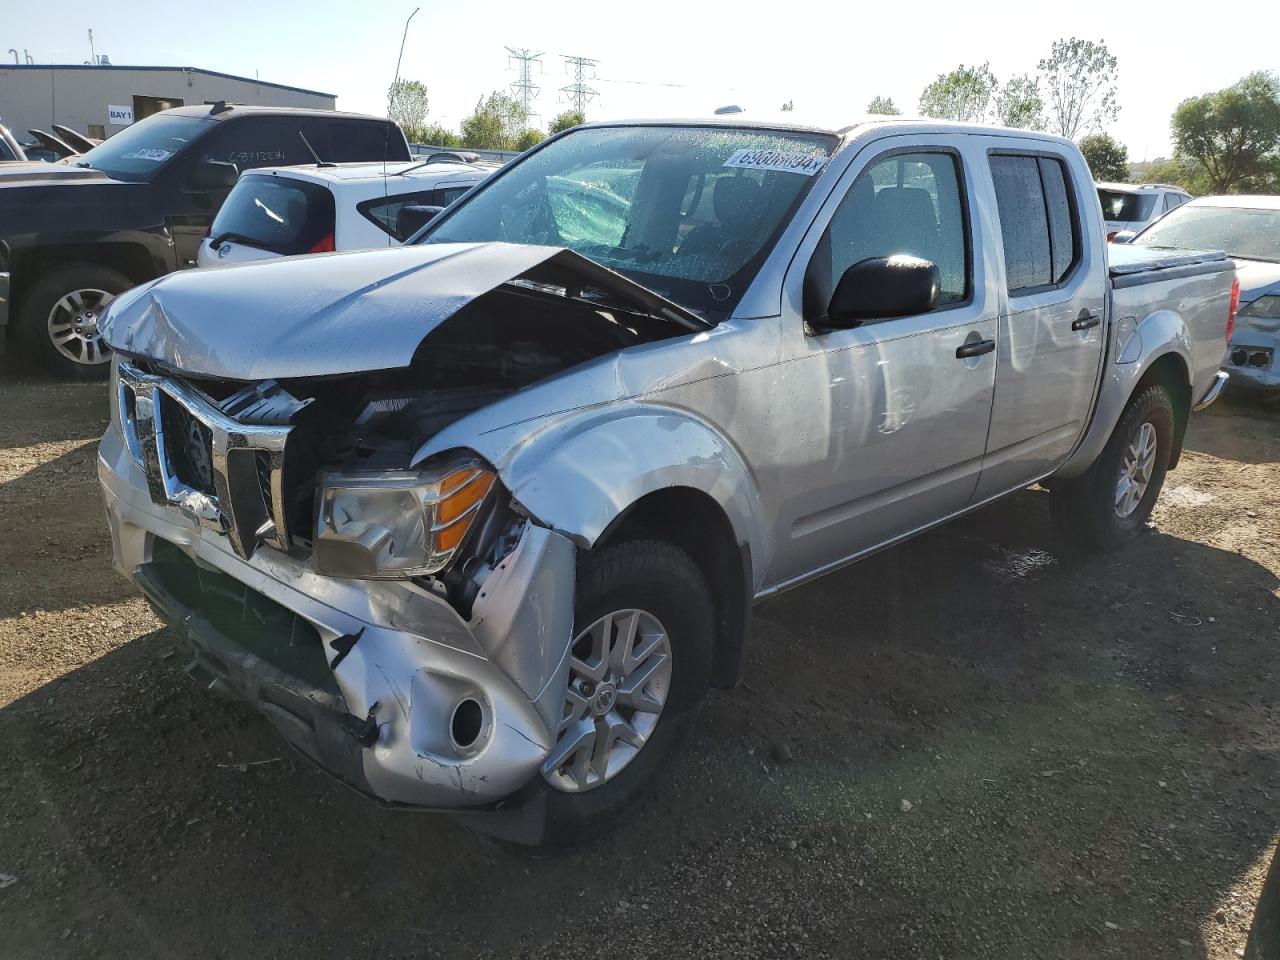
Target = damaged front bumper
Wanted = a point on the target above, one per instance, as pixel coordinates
(381, 683)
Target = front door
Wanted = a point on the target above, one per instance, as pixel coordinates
(1051, 330)
(883, 427)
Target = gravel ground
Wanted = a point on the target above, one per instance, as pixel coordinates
(969, 746)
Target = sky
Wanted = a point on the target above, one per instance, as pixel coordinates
(661, 57)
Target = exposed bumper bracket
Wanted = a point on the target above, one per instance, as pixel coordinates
(1215, 390)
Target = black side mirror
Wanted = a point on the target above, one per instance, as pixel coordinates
(213, 175)
(413, 218)
(882, 287)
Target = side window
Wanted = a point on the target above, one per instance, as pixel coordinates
(384, 211)
(256, 142)
(345, 141)
(906, 204)
(1037, 220)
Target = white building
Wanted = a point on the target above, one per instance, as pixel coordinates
(101, 100)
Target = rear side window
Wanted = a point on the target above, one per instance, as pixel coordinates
(1037, 220)
(905, 204)
(384, 211)
(278, 214)
(346, 141)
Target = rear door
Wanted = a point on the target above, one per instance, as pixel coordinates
(1051, 329)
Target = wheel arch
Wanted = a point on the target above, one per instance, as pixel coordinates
(128, 257)
(695, 523)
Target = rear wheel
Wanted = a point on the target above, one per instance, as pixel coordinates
(1102, 509)
(640, 665)
(59, 315)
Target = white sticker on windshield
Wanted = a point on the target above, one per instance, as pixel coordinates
(149, 153)
(806, 164)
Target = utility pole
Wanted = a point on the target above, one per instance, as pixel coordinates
(93, 57)
(524, 88)
(578, 92)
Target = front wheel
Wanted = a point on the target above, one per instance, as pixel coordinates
(1102, 509)
(59, 315)
(640, 665)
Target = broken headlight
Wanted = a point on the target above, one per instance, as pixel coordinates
(375, 525)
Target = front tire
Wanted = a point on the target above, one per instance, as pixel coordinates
(641, 664)
(1109, 503)
(59, 314)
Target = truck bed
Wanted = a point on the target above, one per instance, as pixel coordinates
(1155, 284)
(1131, 266)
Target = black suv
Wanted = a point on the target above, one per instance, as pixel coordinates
(75, 234)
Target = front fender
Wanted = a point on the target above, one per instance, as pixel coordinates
(1132, 354)
(577, 473)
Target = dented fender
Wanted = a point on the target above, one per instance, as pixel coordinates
(579, 472)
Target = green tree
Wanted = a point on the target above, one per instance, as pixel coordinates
(566, 121)
(1180, 170)
(530, 137)
(963, 94)
(438, 136)
(1079, 83)
(407, 105)
(1107, 157)
(788, 106)
(1019, 103)
(1234, 135)
(883, 106)
(496, 124)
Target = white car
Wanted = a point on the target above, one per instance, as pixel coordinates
(1131, 206)
(285, 211)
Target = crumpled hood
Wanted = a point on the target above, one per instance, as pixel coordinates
(338, 313)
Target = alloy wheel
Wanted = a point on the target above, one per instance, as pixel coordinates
(1135, 471)
(73, 326)
(619, 678)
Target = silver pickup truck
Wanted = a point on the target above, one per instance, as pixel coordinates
(476, 522)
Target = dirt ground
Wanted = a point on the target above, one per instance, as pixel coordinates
(969, 746)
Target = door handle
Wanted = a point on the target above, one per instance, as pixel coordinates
(975, 349)
(1085, 320)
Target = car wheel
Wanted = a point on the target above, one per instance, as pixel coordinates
(640, 665)
(1102, 509)
(59, 315)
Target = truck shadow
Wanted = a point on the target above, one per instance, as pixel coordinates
(1084, 745)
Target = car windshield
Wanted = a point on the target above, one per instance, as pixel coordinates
(1244, 232)
(1125, 206)
(689, 212)
(138, 152)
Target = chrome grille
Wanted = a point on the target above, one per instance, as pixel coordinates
(225, 474)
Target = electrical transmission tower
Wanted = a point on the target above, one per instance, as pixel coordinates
(578, 92)
(524, 88)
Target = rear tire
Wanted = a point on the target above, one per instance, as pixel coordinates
(664, 584)
(59, 314)
(1103, 509)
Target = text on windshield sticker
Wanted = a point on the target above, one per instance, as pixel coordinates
(805, 164)
(155, 154)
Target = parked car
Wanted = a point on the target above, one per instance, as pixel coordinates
(75, 234)
(281, 211)
(492, 508)
(1131, 206)
(1248, 229)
